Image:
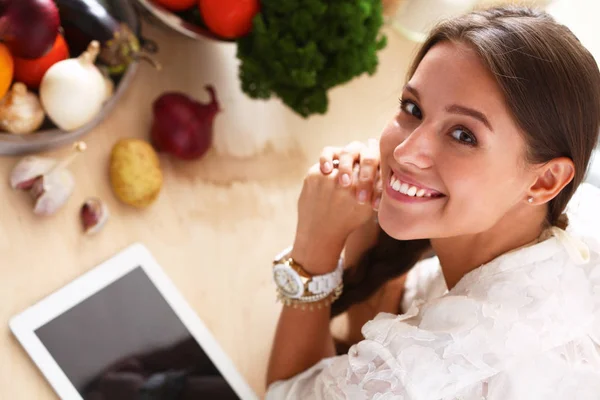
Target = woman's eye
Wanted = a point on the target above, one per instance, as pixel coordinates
(411, 108)
(464, 136)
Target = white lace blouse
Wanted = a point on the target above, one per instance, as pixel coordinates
(524, 326)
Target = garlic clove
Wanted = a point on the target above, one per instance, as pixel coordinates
(21, 111)
(51, 191)
(28, 169)
(94, 214)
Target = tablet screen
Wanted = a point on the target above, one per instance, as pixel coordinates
(125, 342)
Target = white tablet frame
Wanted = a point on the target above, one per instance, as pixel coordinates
(24, 324)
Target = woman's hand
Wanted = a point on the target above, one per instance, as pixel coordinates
(366, 178)
(333, 203)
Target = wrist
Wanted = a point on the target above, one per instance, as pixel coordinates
(317, 258)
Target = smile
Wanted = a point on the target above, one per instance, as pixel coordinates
(411, 189)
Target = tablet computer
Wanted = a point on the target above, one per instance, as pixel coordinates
(123, 331)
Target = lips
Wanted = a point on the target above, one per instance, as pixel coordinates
(411, 188)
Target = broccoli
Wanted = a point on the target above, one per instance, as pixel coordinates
(299, 49)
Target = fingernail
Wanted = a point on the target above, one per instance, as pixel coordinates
(345, 179)
(327, 166)
(376, 203)
(364, 174)
(362, 196)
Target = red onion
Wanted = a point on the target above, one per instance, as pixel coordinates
(182, 126)
(28, 27)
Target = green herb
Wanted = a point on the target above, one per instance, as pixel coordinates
(299, 49)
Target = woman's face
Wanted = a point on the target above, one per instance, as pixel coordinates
(452, 159)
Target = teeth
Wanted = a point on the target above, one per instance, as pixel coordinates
(404, 188)
(407, 189)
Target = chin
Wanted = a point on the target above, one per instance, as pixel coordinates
(399, 226)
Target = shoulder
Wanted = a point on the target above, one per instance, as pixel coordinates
(521, 306)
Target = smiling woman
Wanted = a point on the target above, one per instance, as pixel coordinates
(492, 139)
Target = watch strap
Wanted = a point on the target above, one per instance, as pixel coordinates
(327, 283)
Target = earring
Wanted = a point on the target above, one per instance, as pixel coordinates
(530, 199)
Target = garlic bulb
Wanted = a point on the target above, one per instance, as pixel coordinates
(48, 181)
(20, 111)
(28, 169)
(51, 191)
(72, 91)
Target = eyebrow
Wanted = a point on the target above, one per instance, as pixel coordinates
(456, 109)
(412, 90)
(478, 115)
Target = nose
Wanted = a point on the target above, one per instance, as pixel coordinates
(417, 149)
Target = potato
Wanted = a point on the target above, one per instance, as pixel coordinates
(135, 174)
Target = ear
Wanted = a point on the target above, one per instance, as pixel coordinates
(552, 177)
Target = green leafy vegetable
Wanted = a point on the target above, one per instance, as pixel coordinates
(299, 49)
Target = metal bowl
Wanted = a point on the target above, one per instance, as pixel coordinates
(49, 136)
(46, 139)
(186, 23)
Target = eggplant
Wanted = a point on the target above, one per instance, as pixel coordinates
(87, 20)
(123, 11)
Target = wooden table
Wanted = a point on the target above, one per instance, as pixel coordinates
(217, 223)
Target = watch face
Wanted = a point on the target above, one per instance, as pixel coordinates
(288, 281)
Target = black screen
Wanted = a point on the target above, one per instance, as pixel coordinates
(125, 342)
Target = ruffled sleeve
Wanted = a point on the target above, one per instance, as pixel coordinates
(398, 359)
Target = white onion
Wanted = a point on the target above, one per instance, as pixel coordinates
(72, 91)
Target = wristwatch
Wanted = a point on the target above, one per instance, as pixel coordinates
(294, 282)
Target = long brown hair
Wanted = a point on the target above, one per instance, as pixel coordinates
(551, 84)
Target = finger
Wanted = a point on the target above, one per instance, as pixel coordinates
(315, 172)
(369, 165)
(369, 161)
(377, 191)
(348, 157)
(328, 154)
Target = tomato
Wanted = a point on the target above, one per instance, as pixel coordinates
(229, 18)
(6, 69)
(176, 5)
(31, 71)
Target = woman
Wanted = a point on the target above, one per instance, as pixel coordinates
(495, 131)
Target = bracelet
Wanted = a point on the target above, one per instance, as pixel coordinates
(312, 302)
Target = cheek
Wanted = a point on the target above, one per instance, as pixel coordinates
(483, 186)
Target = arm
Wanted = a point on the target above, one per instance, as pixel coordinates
(328, 212)
(303, 337)
(309, 332)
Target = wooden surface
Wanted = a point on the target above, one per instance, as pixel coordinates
(217, 222)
